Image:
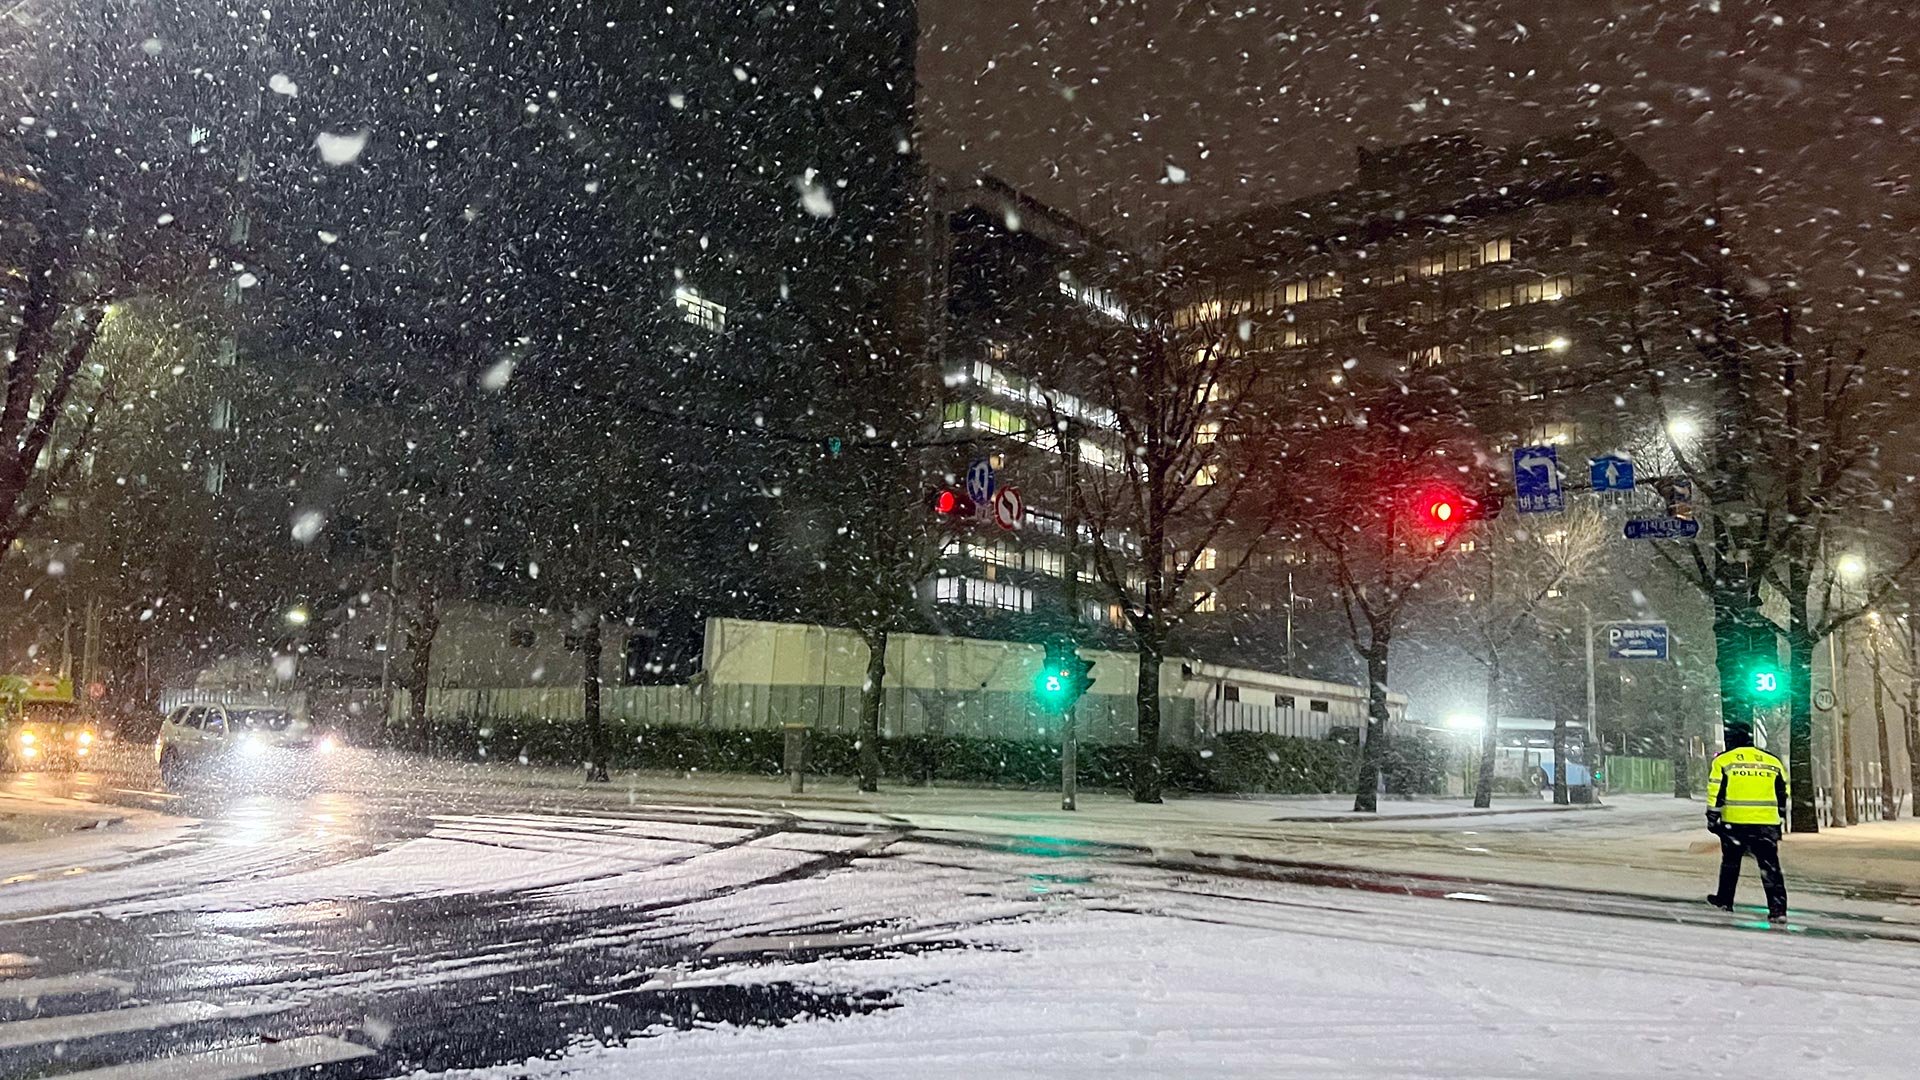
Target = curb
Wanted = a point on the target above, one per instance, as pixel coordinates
(1442, 815)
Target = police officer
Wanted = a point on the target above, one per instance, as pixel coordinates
(1746, 803)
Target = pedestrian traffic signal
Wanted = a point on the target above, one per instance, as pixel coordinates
(1766, 683)
(1064, 677)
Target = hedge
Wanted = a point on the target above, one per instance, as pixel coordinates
(1241, 761)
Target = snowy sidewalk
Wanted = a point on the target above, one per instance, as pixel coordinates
(1648, 845)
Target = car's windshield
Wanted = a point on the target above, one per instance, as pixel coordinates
(1096, 539)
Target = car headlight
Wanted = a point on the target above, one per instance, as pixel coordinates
(26, 738)
(86, 738)
(327, 744)
(252, 745)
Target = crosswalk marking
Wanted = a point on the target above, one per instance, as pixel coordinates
(61, 986)
(234, 1063)
(50, 1029)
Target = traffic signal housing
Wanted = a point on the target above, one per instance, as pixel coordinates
(1444, 509)
(1064, 678)
(1766, 684)
(950, 504)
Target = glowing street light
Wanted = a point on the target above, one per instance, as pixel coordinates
(1683, 428)
(297, 616)
(1851, 567)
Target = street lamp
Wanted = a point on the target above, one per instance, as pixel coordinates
(1683, 428)
(297, 616)
(1851, 568)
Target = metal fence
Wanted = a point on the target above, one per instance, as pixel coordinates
(1652, 776)
(987, 714)
(1866, 803)
(292, 700)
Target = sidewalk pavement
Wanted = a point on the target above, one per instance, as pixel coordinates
(1649, 845)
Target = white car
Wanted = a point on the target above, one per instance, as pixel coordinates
(235, 742)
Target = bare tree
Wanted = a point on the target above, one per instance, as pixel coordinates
(1177, 481)
(1504, 592)
(1354, 481)
(97, 213)
(1793, 459)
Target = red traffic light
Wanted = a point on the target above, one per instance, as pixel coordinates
(1443, 508)
(949, 503)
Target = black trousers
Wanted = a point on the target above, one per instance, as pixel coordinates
(1763, 843)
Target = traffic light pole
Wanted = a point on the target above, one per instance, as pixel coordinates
(1070, 518)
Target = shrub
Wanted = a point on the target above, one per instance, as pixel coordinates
(1240, 761)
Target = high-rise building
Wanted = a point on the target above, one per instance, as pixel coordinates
(1523, 273)
(1019, 288)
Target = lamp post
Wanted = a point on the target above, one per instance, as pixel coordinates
(1849, 569)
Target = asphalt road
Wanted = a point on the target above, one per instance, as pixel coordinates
(367, 933)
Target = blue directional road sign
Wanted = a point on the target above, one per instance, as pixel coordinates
(1536, 480)
(1636, 641)
(1665, 528)
(981, 482)
(1611, 472)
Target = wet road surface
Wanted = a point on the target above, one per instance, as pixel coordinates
(351, 934)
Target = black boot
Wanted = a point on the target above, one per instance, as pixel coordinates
(1723, 905)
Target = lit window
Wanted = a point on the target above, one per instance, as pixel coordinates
(698, 310)
(1207, 433)
(977, 592)
(1206, 601)
(1209, 558)
(1208, 474)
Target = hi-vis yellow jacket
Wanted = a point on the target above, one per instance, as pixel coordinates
(1748, 786)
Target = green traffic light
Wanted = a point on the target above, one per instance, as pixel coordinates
(1054, 688)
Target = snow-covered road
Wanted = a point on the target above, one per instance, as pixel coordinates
(365, 935)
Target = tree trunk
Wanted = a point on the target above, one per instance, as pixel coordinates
(872, 695)
(1913, 714)
(590, 696)
(1680, 752)
(1489, 736)
(1804, 811)
(1889, 809)
(1373, 746)
(423, 624)
(1559, 758)
(1146, 696)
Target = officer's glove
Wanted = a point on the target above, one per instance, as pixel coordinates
(1713, 822)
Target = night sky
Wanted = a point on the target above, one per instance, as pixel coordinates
(1803, 114)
